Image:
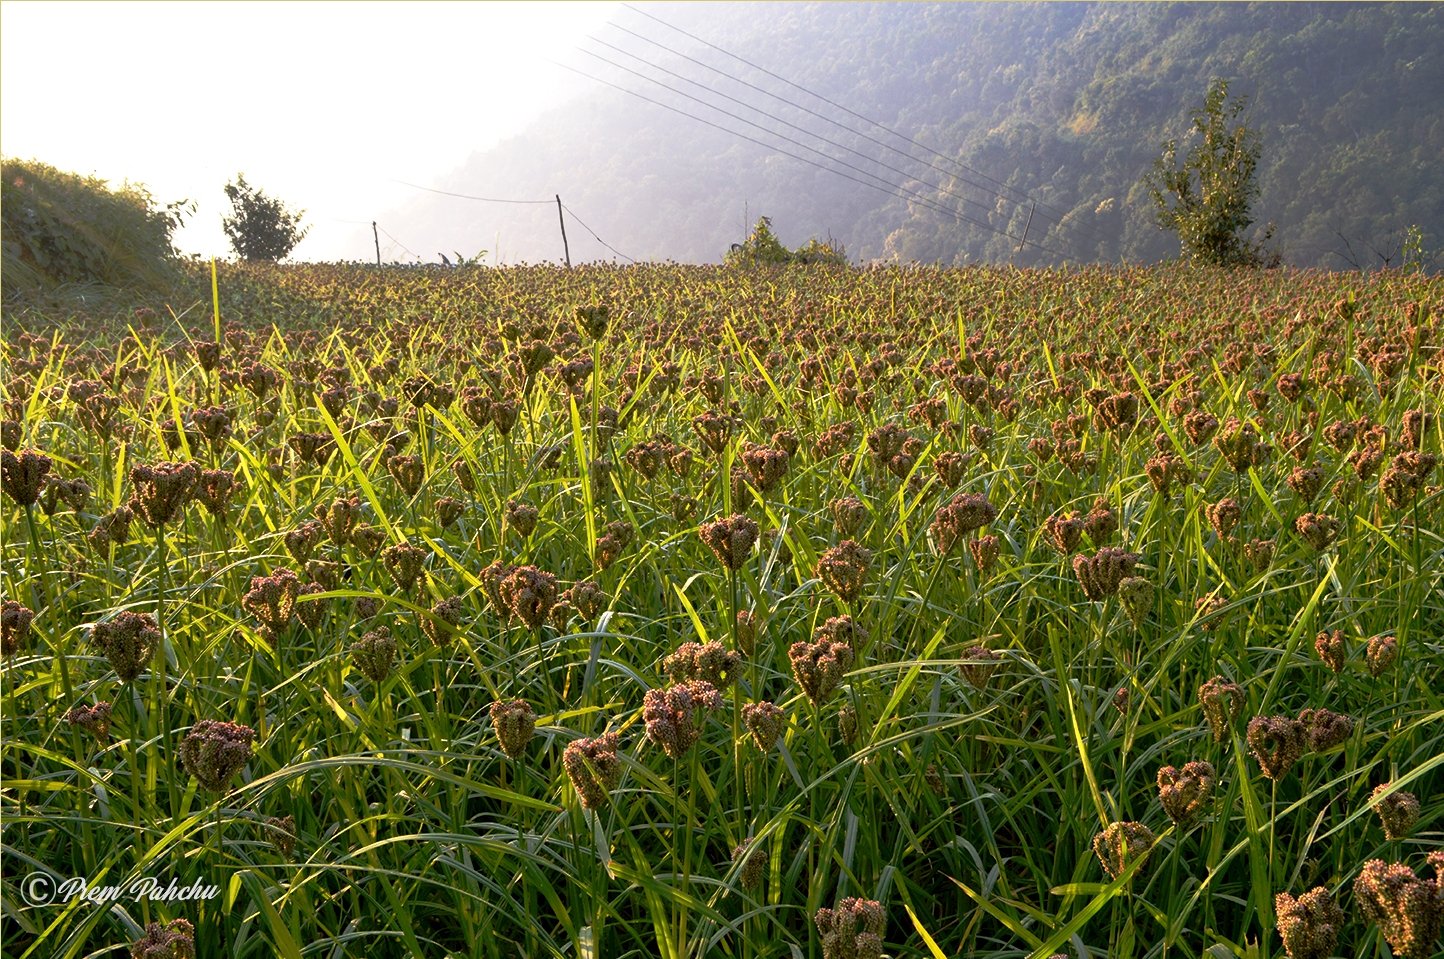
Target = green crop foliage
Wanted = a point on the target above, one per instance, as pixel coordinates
(1072, 613)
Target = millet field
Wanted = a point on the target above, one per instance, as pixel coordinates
(698, 612)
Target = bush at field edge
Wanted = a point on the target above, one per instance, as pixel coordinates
(60, 229)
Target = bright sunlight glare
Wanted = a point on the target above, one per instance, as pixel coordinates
(324, 106)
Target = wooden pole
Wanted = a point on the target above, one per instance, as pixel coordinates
(565, 249)
(375, 236)
(1026, 225)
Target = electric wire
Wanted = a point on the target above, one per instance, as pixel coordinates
(398, 242)
(769, 146)
(882, 184)
(824, 99)
(465, 196)
(487, 199)
(887, 186)
(891, 189)
(758, 126)
(794, 104)
(778, 119)
(1020, 195)
(603, 242)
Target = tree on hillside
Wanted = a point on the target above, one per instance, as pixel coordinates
(1206, 198)
(260, 227)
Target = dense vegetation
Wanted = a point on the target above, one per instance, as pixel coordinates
(700, 611)
(61, 231)
(1064, 102)
(762, 248)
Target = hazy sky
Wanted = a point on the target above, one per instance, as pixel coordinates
(322, 105)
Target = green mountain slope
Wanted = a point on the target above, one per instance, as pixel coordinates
(1055, 112)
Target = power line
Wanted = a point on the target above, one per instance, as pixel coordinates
(488, 199)
(794, 104)
(1025, 197)
(778, 119)
(824, 99)
(398, 242)
(763, 144)
(758, 126)
(603, 242)
(464, 196)
(891, 189)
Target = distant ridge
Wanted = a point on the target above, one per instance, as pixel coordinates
(1062, 104)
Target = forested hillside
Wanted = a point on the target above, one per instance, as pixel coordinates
(1062, 104)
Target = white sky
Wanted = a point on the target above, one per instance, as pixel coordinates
(321, 105)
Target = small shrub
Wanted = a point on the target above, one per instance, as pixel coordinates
(762, 248)
(260, 227)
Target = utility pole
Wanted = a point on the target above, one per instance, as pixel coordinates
(375, 236)
(1026, 225)
(560, 219)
